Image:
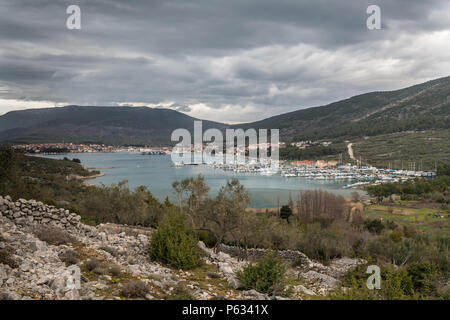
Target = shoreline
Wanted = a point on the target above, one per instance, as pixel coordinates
(90, 178)
(78, 177)
(98, 175)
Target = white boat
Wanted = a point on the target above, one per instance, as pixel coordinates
(268, 171)
(178, 164)
(288, 174)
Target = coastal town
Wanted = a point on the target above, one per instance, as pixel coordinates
(56, 148)
(355, 175)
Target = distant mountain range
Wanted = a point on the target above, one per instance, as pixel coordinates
(87, 124)
(420, 107)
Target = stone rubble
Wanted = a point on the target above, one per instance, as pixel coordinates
(42, 275)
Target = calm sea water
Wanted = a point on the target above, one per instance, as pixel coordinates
(156, 173)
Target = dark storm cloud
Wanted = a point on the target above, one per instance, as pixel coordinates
(233, 60)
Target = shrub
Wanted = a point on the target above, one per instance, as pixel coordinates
(135, 289)
(396, 284)
(180, 293)
(112, 251)
(118, 204)
(391, 225)
(53, 235)
(424, 276)
(396, 236)
(100, 270)
(285, 212)
(6, 258)
(374, 226)
(356, 291)
(208, 238)
(4, 296)
(324, 244)
(69, 257)
(409, 231)
(444, 294)
(213, 275)
(115, 271)
(174, 244)
(432, 248)
(267, 276)
(92, 264)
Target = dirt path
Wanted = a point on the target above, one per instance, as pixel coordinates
(350, 151)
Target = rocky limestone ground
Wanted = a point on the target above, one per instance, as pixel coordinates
(113, 257)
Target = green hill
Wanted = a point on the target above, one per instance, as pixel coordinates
(420, 107)
(109, 125)
(407, 128)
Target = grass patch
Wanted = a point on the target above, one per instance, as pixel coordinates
(406, 214)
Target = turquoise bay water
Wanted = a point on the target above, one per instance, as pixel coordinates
(157, 175)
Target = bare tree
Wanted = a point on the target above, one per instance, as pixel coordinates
(320, 204)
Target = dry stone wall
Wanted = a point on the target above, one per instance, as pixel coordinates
(27, 212)
(289, 256)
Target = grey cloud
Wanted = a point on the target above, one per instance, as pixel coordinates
(181, 108)
(262, 56)
(20, 73)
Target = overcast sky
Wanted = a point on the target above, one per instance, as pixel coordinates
(223, 60)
